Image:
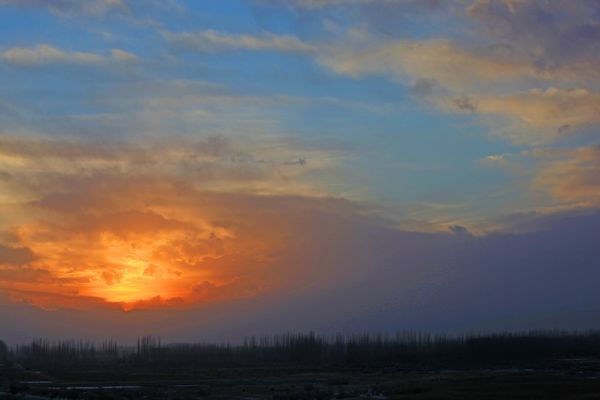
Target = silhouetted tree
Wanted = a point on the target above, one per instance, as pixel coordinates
(407, 350)
(3, 351)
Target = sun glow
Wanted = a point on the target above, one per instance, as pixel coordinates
(107, 229)
(131, 258)
(128, 283)
(143, 266)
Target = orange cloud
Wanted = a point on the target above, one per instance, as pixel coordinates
(571, 175)
(543, 114)
(439, 59)
(137, 227)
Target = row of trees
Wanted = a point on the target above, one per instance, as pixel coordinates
(406, 349)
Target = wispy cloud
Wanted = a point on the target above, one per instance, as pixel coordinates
(439, 60)
(43, 54)
(90, 7)
(260, 165)
(209, 41)
(518, 45)
(486, 71)
(317, 4)
(543, 114)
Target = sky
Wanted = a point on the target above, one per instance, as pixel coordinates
(205, 170)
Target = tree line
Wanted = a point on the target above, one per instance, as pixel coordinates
(403, 350)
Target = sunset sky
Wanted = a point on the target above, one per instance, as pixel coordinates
(211, 169)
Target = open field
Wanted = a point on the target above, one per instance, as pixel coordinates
(282, 383)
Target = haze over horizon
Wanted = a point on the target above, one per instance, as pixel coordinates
(210, 170)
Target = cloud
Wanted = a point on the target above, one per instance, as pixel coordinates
(300, 161)
(571, 175)
(43, 54)
(549, 108)
(481, 82)
(497, 74)
(540, 115)
(544, 29)
(127, 222)
(529, 39)
(213, 41)
(25, 274)
(16, 255)
(451, 64)
(150, 270)
(236, 164)
(516, 61)
(513, 163)
(123, 56)
(318, 4)
(438, 60)
(67, 7)
(464, 104)
(36, 147)
(112, 277)
(328, 3)
(557, 179)
(252, 241)
(459, 230)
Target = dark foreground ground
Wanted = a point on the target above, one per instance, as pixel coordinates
(560, 379)
(533, 365)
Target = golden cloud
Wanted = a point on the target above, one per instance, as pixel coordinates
(537, 115)
(571, 175)
(143, 226)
